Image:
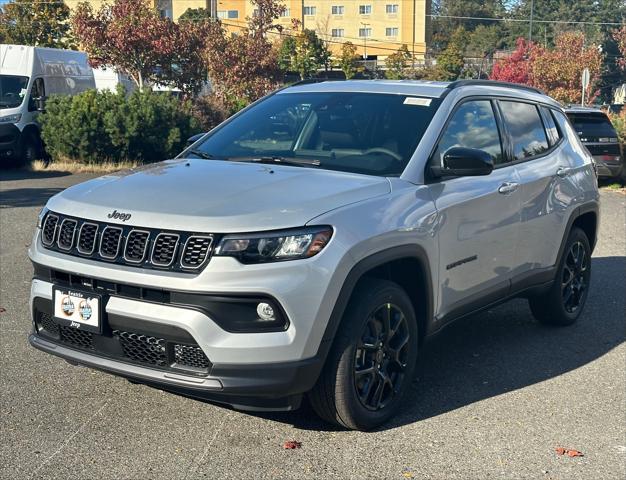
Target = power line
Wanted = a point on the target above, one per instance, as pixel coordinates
(534, 20)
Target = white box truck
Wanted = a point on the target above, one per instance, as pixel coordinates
(110, 78)
(28, 75)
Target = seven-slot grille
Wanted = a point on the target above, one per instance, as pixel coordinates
(148, 248)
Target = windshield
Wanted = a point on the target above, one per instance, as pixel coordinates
(12, 90)
(367, 133)
(592, 125)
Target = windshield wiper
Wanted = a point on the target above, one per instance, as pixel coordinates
(201, 154)
(300, 162)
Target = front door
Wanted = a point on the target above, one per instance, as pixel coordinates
(479, 216)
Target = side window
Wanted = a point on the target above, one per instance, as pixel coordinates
(551, 128)
(473, 125)
(38, 91)
(524, 125)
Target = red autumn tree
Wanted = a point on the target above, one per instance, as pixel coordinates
(129, 35)
(244, 67)
(558, 71)
(620, 37)
(516, 68)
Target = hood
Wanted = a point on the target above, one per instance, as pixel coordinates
(216, 196)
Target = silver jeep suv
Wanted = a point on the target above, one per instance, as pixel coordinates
(312, 242)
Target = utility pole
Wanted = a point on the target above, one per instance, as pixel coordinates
(530, 28)
(302, 15)
(413, 52)
(365, 25)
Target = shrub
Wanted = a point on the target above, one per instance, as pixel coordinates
(95, 127)
(211, 110)
(619, 122)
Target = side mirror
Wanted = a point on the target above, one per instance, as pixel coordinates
(40, 104)
(194, 138)
(466, 162)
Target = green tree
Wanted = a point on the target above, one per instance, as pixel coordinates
(450, 62)
(305, 53)
(349, 60)
(396, 63)
(195, 15)
(40, 23)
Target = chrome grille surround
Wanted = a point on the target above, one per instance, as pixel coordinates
(67, 233)
(87, 236)
(136, 246)
(164, 249)
(115, 243)
(196, 251)
(111, 237)
(49, 229)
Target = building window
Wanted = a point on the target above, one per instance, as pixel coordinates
(310, 10)
(365, 32)
(337, 9)
(222, 14)
(391, 8)
(391, 31)
(365, 9)
(286, 13)
(233, 14)
(337, 32)
(228, 14)
(255, 12)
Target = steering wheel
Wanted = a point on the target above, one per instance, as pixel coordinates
(386, 151)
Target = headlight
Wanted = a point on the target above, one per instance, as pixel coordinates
(16, 117)
(275, 246)
(41, 216)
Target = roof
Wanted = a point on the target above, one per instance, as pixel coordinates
(579, 109)
(419, 88)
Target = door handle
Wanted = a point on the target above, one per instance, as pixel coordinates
(507, 188)
(563, 171)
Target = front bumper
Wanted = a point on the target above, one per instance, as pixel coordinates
(10, 144)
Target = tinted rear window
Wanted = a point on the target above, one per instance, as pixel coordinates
(592, 124)
(524, 125)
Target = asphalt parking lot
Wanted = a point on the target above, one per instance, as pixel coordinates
(493, 398)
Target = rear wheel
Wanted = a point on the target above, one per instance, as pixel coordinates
(372, 359)
(564, 302)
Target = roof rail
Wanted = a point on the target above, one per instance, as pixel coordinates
(314, 80)
(493, 83)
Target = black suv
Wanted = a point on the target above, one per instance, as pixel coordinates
(597, 134)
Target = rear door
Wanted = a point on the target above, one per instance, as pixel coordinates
(546, 193)
(479, 215)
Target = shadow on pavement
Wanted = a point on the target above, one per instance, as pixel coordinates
(504, 349)
(19, 174)
(27, 197)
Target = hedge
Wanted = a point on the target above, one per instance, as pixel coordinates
(95, 127)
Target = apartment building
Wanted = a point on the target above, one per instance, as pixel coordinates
(376, 27)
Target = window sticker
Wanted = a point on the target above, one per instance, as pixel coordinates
(421, 102)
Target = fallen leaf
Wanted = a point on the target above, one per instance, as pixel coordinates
(292, 444)
(568, 451)
(408, 474)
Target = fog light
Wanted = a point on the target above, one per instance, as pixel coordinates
(265, 312)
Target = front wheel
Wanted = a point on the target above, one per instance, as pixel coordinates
(372, 361)
(564, 302)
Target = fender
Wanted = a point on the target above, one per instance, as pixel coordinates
(357, 272)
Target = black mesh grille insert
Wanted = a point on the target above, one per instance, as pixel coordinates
(78, 338)
(164, 249)
(46, 322)
(191, 356)
(136, 244)
(49, 229)
(87, 238)
(110, 242)
(196, 251)
(143, 348)
(66, 234)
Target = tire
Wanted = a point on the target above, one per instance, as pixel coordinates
(357, 401)
(563, 303)
(30, 150)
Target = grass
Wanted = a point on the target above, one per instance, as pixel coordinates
(77, 167)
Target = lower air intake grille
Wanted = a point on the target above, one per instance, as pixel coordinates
(142, 348)
(46, 322)
(78, 338)
(191, 356)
